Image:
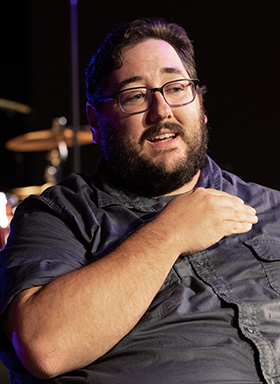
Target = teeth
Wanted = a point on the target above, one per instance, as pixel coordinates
(164, 136)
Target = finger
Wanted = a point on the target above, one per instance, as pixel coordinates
(251, 214)
(242, 214)
(238, 227)
(233, 228)
(226, 197)
(232, 198)
(243, 219)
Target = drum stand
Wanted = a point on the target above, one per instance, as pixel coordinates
(56, 156)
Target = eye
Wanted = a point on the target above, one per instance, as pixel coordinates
(133, 96)
(176, 88)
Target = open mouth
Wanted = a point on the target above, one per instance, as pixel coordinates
(163, 137)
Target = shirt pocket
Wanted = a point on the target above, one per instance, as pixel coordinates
(267, 251)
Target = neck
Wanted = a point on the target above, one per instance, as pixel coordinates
(186, 187)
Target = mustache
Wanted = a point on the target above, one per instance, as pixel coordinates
(156, 128)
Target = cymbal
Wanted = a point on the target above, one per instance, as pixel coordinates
(13, 106)
(23, 192)
(46, 140)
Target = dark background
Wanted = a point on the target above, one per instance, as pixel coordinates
(237, 52)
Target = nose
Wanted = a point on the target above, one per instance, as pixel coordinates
(159, 109)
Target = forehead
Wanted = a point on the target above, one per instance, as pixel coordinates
(151, 51)
(149, 61)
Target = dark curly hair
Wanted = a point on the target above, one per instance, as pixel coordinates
(109, 57)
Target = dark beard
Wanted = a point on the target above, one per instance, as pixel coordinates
(141, 175)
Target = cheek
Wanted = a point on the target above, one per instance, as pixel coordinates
(189, 115)
(129, 126)
(108, 122)
(119, 127)
(186, 118)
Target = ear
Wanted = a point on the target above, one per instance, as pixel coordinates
(205, 119)
(93, 123)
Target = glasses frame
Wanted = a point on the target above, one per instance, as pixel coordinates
(115, 96)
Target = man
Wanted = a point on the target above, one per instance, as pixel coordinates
(157, 270)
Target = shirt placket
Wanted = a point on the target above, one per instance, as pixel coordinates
(248, 314)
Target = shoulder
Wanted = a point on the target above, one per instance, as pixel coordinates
(67, 210)
(75, 187)
(259, 196)
(66, 198)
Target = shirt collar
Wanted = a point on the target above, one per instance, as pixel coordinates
(109, 193)
(211, 176)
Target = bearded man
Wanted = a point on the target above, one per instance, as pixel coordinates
(157, 269)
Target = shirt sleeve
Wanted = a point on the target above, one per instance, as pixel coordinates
(46, 241)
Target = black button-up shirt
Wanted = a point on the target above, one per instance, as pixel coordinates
(216, 319)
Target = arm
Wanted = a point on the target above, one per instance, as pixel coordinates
(75, 319)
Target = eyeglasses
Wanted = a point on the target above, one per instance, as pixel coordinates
(176, 93)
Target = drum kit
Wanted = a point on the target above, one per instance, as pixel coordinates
(55, 141)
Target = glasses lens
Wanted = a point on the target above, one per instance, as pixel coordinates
(135, 100)
(179, 92)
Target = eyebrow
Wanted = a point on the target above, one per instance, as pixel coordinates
(135, 79)
(130, 80)
(171, 70)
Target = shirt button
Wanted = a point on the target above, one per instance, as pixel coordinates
(200, 263)
(249, 330)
